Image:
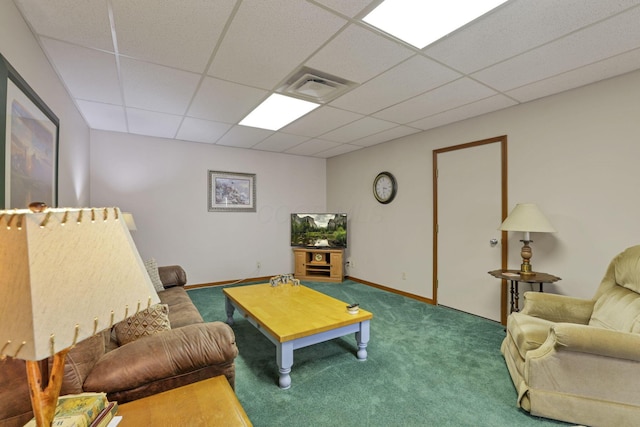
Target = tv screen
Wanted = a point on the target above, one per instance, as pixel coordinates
(319, 230)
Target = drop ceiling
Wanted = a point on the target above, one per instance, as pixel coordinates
(192, 69)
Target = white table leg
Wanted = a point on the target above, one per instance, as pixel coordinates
(284, 357)
(229, 309)
(362, 338)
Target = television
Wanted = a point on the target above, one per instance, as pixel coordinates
(319, 230)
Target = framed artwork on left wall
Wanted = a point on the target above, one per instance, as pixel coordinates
(29, 133)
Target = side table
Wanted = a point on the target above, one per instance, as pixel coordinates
(207, 403)
(515, 277)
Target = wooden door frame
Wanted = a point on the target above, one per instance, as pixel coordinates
(504, 246)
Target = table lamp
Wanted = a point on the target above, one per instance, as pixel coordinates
(526, 217)
(128, 219)
(66, 274)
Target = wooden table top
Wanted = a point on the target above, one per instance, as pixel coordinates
(211, 402)
(289, 312)
(537, 277)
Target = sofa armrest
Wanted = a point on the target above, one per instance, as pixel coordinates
(172, 275)
(558, 308)
(593, 340)
(162, 355)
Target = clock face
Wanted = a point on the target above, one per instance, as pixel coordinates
(319, 257)
(384, 187)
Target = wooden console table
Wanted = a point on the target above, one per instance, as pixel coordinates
(321, 265)
(515, 277)
(211, 402)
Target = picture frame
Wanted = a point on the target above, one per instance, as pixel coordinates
(231, 191)
(29, 136)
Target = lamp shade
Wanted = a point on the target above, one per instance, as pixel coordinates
(527, 217)
(128, 219)
(66, 274)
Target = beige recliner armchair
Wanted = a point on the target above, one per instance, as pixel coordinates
(578, 360)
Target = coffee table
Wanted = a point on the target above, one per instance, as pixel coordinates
(294, 317)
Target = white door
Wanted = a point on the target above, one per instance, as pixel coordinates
(469, 212)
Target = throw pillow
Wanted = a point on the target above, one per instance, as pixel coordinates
(152, 268)
(146, 322)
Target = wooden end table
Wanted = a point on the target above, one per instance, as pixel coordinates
(210, 402)
(514, 277)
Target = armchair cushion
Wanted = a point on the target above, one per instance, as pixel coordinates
(557, 308)
(618, 309)
(528, 332)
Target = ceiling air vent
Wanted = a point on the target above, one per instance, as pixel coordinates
(314, 86)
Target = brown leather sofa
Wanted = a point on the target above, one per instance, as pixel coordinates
(190, 351)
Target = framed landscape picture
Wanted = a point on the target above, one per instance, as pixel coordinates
(29, 133)
(232, 191)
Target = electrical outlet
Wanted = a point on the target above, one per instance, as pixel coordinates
(352, 264)
(258, 264)
(404, 276)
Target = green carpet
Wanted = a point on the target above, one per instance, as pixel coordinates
(427, 366)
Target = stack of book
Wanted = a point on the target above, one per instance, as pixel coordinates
(82, 410)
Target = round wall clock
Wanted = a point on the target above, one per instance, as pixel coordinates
(385, 187)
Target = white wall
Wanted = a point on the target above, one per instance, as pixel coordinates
(23, 52)
(164, 184)
(575, 154)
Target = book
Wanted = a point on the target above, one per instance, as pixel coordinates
(106, 415)
(76, 410)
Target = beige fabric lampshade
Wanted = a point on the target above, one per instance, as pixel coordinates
(62, 268)
(128, 219)
(527, 217)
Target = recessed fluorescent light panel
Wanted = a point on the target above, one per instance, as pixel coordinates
(421, 22)
(277, 111)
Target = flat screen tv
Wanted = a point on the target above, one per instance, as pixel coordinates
(319, 230)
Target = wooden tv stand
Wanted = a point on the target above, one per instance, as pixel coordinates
(319, 265)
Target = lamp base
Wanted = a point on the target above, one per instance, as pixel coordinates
(525, 270)
(526, 254)
(45, 399)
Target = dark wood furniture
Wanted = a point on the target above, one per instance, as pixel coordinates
(514, 277)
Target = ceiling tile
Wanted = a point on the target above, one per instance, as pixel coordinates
(517, 27)
(280, 142)
(181, 35)
(103, 116)
(152, 123)
(321, 120)
(350, 8)
(387, 135)
(274, 37)
(408, 79)
(88, 74)
(358, 129)
(336, 151)
(595, 43)
(312, 147)
(244, 137)
(199, 130)
(224, 101)
(452, 95)
(158, 88)
(81, 22)
(477, 108)
(358, 54)
(607, 68)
